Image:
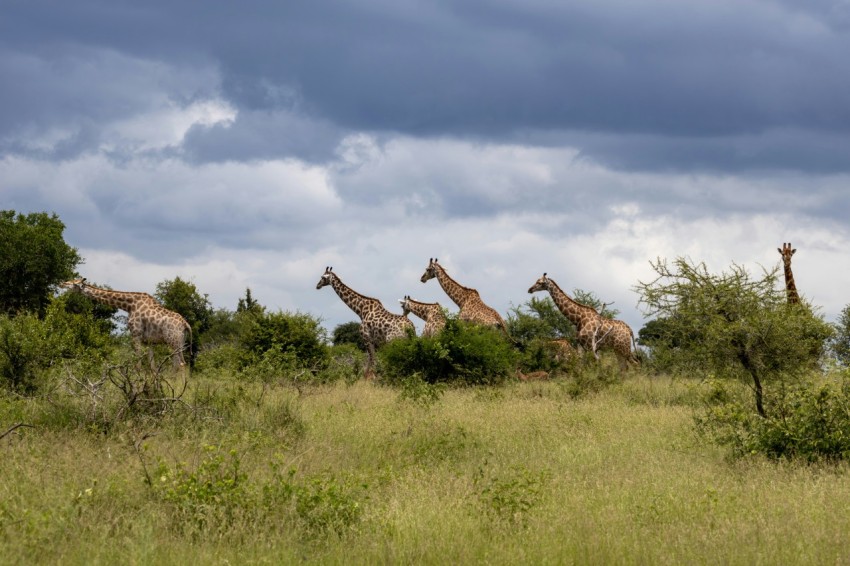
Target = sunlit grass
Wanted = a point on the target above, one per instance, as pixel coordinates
(525, 473)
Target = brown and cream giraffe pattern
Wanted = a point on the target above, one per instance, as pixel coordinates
(786, 251)
(472, 308)
(148, 322)
(431, 313)
(593, 330)
(377, 324)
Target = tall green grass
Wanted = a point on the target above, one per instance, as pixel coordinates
(364, 474)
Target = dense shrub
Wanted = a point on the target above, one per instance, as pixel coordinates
(297, 337)
(30, 346)
(808, 420)
(463, 353)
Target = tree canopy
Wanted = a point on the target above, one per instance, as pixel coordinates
(34, 258)
(728, 324)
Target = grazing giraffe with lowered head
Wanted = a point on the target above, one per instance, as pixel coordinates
(593, 330)
(431, 313)
(472, 308)
(148, 322)
(786, 251)
(377, 324)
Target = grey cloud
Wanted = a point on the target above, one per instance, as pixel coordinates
(699, 73)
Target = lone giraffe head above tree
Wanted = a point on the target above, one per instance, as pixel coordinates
(472, 308)
(148, 322)
(786, 251)
(377, 324)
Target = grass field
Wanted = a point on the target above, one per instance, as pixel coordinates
(358, 474)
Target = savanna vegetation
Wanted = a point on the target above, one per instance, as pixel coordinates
(729, 444)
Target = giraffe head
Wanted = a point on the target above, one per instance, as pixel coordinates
(786, 251)
(326, 278)
(74, 284)
(430, 271)
(405, 305)
(541, 284)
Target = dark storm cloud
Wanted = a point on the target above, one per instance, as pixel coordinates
(697, 71)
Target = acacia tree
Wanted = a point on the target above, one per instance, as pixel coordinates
(34, 258)
(730, 324)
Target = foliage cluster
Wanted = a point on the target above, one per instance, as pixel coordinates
(217, 496)
(462, 353)
(809, 421)
(728, 325)
(34, 258)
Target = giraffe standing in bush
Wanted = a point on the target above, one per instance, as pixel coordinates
(594, 331)
(786, 251)
(148, 322)
(377, 324)
(431, 313)
(472, 308)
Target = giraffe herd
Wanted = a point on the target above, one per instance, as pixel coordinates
(149, 322)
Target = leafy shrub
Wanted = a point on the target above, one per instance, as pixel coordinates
(30, 346)
(349, 333)
(464, 353)
(297, 335)
(806, 420)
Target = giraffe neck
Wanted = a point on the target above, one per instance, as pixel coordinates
(423, 310)
(790, 287)
(360, 304)
(456, 292)
(123, 300)
(575, 312)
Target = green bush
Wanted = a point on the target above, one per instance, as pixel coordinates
(808, 420)
(298, 336)
(30, 346)
(463, 353)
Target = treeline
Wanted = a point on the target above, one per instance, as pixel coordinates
(720, 329)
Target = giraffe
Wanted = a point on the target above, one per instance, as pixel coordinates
(786, 251)
(472, 308)
(431, 313)
(377, 324)
(147, 320)
(594, 331)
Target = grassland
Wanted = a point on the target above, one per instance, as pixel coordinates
(357, 474)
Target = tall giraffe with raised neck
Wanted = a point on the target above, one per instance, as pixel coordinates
(593, 330)
(472, 308)
(377, 324)
(148, 322)
(431, 313)
(786, 251)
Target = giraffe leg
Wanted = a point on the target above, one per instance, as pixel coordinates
(370, 364)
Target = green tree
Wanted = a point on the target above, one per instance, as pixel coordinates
(34, 258)
(349, 333)
(730, 324)
(183, 297)
(297, 335)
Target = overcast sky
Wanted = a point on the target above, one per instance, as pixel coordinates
(250, 144)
